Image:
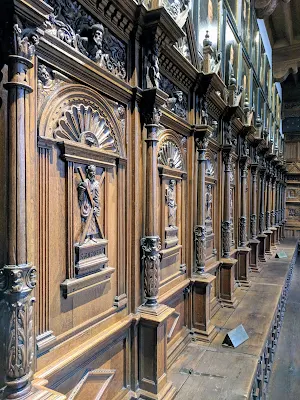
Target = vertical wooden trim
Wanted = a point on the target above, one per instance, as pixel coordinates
(70, 225)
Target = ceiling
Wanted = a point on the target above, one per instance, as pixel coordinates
(283, 25)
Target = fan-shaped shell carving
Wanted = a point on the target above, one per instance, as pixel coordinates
(83, 124)
(169, 154)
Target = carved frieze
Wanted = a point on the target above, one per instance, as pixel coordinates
(73, 25)
(177, 101)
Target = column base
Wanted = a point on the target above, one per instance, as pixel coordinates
(202, 328)
(262, 247)
(153, 379)
(227, 280)
(255, 267)
(169, 393)
(205, 336)
(273, 245)
(243, 266)
(40, 392)
(277, 237)
(268, 241)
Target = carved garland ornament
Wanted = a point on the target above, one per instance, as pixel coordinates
(83, 124)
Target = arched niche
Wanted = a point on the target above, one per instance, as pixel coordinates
(172, 210)
(81, 144)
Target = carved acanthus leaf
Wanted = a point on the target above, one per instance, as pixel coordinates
(83, 124)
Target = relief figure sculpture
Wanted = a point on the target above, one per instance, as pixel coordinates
(91, 45)
(171, 203)
(88, 195)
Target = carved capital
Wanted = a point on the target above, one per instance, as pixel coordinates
(200, 247)
(226, 238)
(227, 159)
(17, 279)
(151, 246)
(152, 117)
(25, 42)
(201, 145)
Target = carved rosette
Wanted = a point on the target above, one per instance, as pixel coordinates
(226, 238)
(151, 246)
(16, 285)
(243, 233)
(253, 226)
(200, 247)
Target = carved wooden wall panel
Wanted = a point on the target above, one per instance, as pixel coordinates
(211, 205)
(173, 211)
(82, 172)
(124, 184)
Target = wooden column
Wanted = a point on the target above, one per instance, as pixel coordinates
(268, 231)
(227, 263)
(151, 244)
(261, 225)
(273, 200)
(244, 251)
(253, 221)
(18, 276)
(201, 326)
(200, 230)
(153, 381)
(277, 216)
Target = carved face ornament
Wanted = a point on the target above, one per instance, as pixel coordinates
(91, 172)
(98, 36)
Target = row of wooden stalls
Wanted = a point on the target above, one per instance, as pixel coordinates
(142, 159)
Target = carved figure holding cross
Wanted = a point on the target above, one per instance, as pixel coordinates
(88, 195)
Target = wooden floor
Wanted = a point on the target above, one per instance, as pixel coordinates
(285, 378)
(213, 372)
